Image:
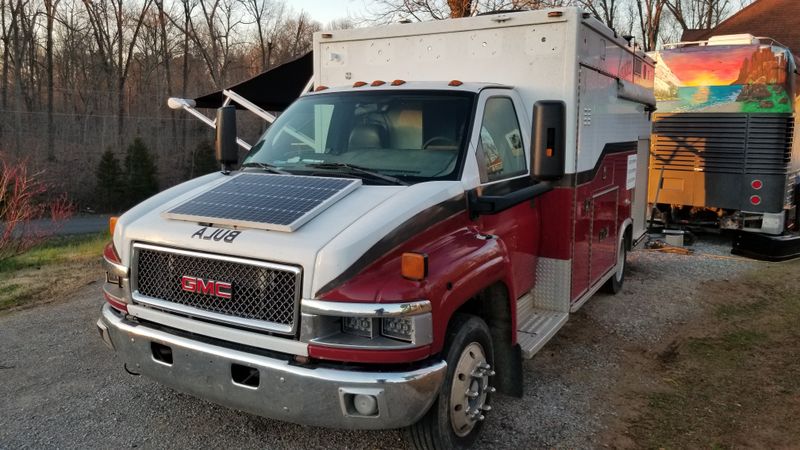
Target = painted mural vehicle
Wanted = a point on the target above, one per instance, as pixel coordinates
(723, 148)
(426, 214)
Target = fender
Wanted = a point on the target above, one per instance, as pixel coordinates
(462, 262)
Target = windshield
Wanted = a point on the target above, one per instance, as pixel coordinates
(411, 136)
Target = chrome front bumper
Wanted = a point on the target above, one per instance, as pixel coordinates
(293, 393)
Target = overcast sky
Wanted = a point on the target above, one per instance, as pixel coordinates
(327, 10)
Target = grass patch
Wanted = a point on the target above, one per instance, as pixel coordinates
(57, 250)
(733, 380)
(29, 278)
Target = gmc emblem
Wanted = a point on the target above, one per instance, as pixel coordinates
(219, 289)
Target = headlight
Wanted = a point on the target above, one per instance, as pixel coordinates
(384, 326)
(401, 328)
(359, 326)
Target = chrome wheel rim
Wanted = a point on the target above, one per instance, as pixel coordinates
(469, 389)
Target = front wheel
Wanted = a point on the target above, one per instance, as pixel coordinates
(456, 418)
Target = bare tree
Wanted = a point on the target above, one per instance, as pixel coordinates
(702, 14)
(605, 10)
(420, 10)
(266, 16)
(50, 11)
(109, 21)
(650, 16)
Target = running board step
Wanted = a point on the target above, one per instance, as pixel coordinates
(536, 327)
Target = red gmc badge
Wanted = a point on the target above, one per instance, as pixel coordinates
(219, 289)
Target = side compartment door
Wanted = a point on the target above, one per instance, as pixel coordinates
(603, 245)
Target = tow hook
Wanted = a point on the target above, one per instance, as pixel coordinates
(125, 365)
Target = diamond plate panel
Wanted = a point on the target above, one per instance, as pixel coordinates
(553, 282)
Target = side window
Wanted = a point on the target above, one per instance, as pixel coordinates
(500, 150)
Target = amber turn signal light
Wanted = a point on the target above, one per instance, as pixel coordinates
(112, 224)
(414, 266)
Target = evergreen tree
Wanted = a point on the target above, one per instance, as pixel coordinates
(110, 187)
(140, 172)
(205, 161)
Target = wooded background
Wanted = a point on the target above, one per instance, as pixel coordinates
(80, 78)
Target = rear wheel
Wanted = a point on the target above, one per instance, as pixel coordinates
(456, 418)
(614, 284)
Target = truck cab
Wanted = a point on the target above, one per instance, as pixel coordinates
(403, 235)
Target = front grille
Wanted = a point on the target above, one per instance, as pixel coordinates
(264, 294)
(758, 144)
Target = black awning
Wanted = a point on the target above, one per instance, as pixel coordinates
(273, 90)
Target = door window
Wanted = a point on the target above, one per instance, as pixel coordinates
(500, 150)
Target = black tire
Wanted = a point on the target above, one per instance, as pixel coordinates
(614, 284)
(435, 430)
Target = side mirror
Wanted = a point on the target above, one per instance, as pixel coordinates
(548, 150)
(225, 144)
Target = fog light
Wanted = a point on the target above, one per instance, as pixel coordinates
(359, 326)
(401, 328)
(366, 405)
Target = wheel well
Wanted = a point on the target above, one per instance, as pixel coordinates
(493, 305)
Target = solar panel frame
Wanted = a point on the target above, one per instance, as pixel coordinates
(209, 205)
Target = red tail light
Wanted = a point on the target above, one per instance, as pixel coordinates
(755, 199)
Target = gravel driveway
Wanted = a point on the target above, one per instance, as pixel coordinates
(61, 387)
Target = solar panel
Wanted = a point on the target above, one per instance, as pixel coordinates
(265, 201)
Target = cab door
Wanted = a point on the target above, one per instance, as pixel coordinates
(501, 142)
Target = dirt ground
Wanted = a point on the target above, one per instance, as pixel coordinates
(728, 378)
(697, 351)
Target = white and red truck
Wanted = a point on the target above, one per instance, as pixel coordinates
(403, 235)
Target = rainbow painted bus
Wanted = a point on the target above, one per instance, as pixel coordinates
(723, 152)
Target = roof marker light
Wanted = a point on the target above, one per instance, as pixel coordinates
(359, 84)
(455, 83)
(398, 82)
(555, 14)
(377, 83)
(320, 88)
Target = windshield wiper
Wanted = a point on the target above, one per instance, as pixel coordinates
(266, 167)
(358, 169)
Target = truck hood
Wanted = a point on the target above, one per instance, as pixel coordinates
(324, 247)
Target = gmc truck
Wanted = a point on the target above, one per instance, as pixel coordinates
(426, 215)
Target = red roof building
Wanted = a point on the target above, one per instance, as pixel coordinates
(776, 19)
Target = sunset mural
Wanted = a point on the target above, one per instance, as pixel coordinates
(730, 78)
(720, 66)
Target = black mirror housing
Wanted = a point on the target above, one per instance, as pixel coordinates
(225, 146)
(548, 136)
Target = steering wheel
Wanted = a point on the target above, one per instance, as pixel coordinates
(445, 142)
